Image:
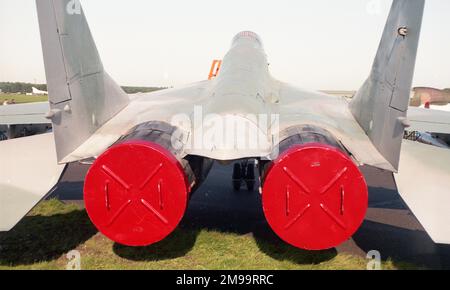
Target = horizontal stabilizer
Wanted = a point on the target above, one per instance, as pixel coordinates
(426, 120)
(427, 193)
(28, 172)
(24, 114)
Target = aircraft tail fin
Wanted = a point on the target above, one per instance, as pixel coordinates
(82, 96)
(381, 105)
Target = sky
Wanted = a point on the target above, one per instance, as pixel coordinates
(315, 44)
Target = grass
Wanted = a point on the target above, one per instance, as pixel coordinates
(43, 239)
(22, 99)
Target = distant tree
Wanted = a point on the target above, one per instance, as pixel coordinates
(18, 87)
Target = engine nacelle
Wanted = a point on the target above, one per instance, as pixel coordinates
(314, 195)
(137, 192)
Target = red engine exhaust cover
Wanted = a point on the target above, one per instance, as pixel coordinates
(314, 197)
(136, 193)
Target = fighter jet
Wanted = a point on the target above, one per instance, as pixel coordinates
(150, 152)
(38, 92)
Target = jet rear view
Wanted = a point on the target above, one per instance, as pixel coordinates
(145, 169)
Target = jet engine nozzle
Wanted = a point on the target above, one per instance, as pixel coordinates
(314, 196)
(136, 193)
(248, 36)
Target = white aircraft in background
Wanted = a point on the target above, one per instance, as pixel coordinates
(444, 108)
(38, 92)
(151, 151)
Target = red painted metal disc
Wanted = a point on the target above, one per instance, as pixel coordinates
(136, 193)
(314, 197)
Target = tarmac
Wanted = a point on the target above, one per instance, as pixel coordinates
(389, 228)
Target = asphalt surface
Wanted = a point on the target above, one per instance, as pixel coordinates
(389, 228)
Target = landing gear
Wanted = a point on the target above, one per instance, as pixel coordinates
(237, 176)
(250, 177)
(244, 172)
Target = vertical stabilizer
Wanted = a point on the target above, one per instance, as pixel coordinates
(380, 106)
(82, 95)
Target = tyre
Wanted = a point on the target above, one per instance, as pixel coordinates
(250, 179)
(237, 177)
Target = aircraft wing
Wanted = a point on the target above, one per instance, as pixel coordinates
(22, 186)
(444, 108)
(332, 113)
(427, 194)
(163, 106)
(21, 114)
(427, 120)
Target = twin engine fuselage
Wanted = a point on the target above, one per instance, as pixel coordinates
(313, 194)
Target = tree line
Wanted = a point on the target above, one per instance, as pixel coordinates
(24, 88)
(13, 88)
